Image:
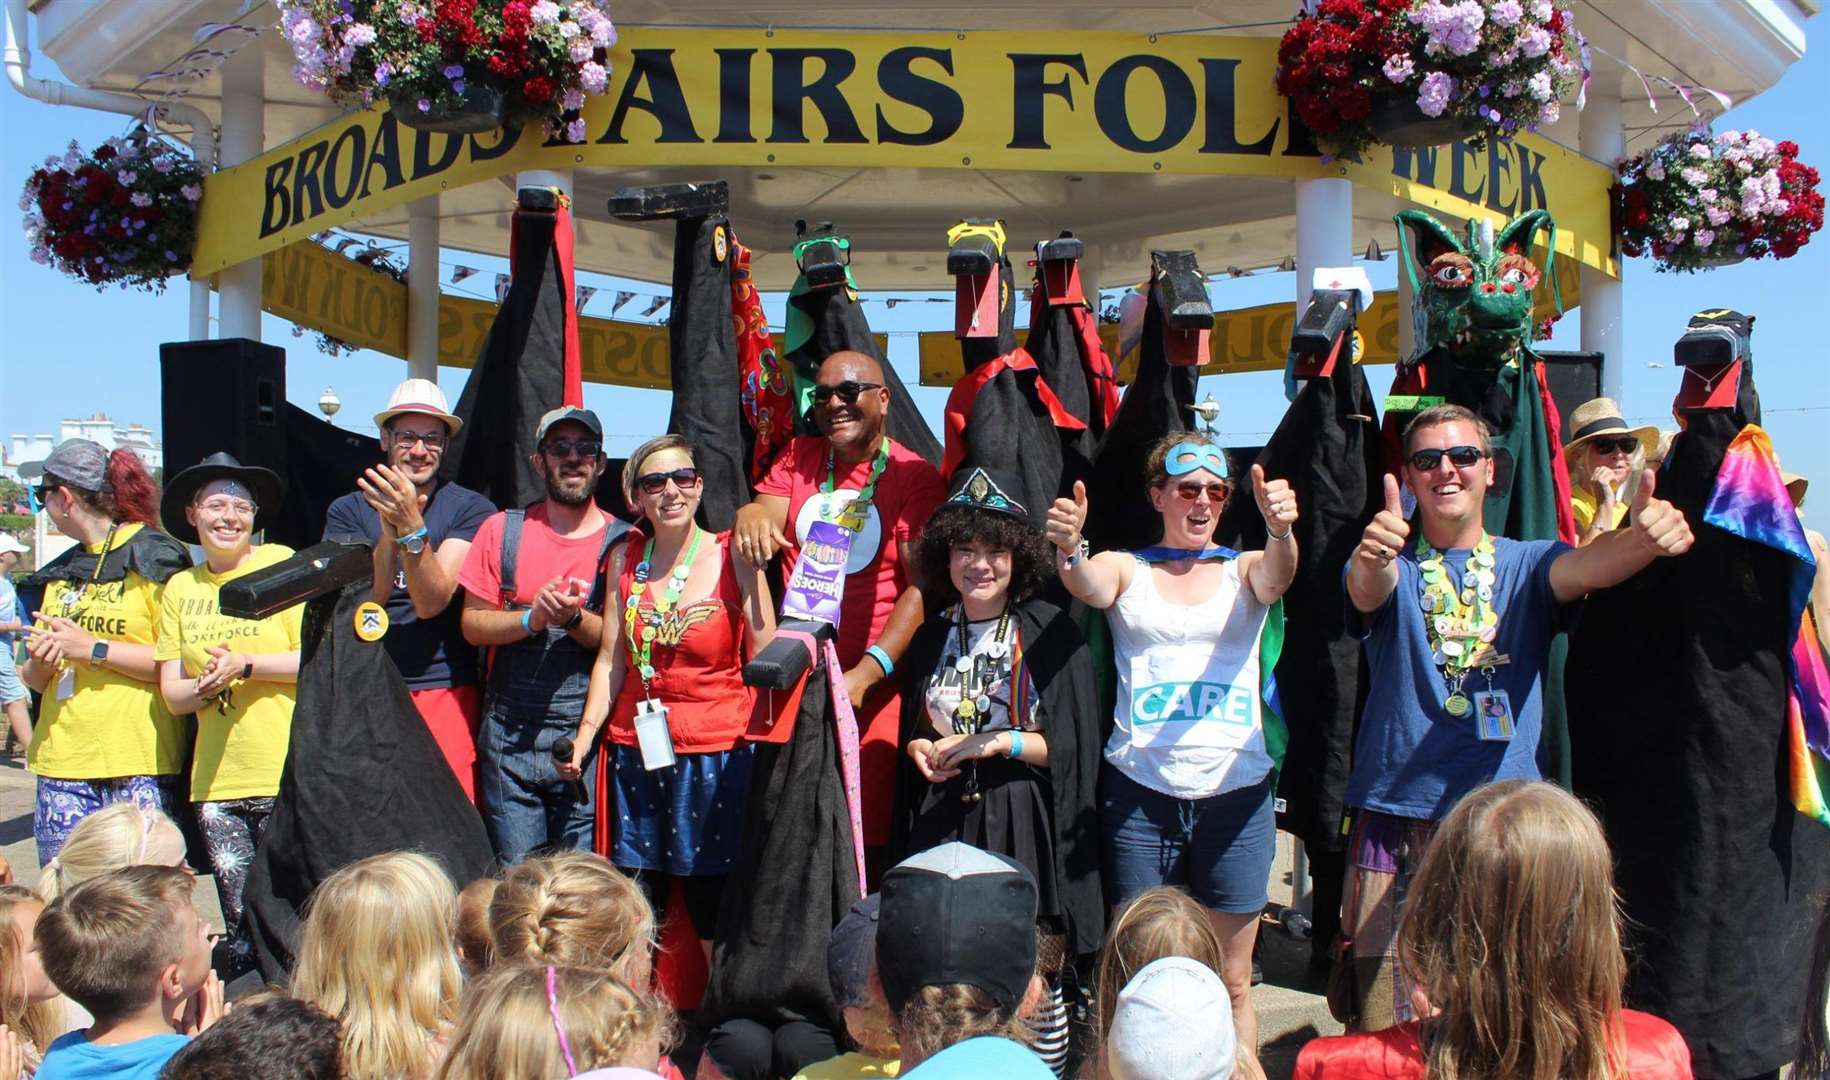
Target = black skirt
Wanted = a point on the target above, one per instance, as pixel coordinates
(1011, 819)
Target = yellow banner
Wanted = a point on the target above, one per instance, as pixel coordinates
(1079, 102)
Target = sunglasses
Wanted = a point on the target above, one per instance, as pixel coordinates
(43, 491)
(1189, 491)
(565, 448)
(656, 482)
(1624, 445)
(431, 440)
(1459, 456)
(848, 391)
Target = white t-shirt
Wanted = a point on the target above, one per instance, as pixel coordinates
(1189, 718)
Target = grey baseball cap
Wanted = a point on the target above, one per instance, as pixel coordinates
(568, 412)
(78, 462)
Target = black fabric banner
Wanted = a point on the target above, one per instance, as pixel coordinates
(839, 325)
(702, 345)
(322, 464)
(1156, 404)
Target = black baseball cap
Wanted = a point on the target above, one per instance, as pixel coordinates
(957, 914)
(852, 952)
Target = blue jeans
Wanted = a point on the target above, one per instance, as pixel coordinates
(1218, 848)
(536, 693)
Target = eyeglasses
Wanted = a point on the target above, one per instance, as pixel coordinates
(656, 482)
(239, 507)
(1624, 445)
(431, 440)
(564, 448)
(1189, 491)
(848, 391)
(1459, 456)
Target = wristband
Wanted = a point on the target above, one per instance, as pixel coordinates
(247, 669)
(883, 659)
(419, 534)
(1068, 562)
(527, 622)
(1016, 744)
(1285, 535)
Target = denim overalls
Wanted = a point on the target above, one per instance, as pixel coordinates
(534, 695)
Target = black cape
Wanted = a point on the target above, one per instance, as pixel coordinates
(839, 325)
(149, 553)
(363, 776)
(702, 359)
(1678, 680)
(1062, 668)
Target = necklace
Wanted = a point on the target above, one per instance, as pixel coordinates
(1459, 618)
(73, 597)
(976, 676)
(644, 629)
(852, 517)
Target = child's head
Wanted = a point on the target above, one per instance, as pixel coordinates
(28, 998)
(851, 965)
(125, 940)
(1172, 1021)
(574, 909)
(125, 834)
(1156, 923)
(271, 1036)
(474, 945)
(533, 1021)
(376, 952)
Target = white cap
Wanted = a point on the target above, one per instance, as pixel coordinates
(8, 542)
(1174, 1021)
(420, 396)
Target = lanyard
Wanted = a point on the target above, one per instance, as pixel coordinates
(645, 629)
(852, 517)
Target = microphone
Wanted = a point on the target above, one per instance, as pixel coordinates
(562, 755)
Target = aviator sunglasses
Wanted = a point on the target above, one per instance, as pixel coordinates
(656, 482)
(848, 391)
(1459, 456)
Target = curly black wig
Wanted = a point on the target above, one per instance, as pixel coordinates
(1032, 562)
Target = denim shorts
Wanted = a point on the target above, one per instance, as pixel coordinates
(1219, 848)
(11, 689)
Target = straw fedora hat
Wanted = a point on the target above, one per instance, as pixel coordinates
(1601, 417)
(421, 396)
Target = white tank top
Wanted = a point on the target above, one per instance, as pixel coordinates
(1188, 718)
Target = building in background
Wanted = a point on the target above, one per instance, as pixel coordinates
(99, 428)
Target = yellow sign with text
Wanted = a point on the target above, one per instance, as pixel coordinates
(1078, 102)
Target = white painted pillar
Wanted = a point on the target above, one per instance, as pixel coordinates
(1604, 298)
(422, 288)
(243, 138)
(1324, 237)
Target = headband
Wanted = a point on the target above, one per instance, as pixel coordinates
(559, 1027)
(1185, 457)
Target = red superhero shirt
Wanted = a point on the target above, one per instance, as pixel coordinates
(1655, 1051)
(907, 493)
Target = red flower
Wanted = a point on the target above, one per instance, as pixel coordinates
(538, 89)
(104, 153)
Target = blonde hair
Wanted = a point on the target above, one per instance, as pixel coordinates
(1511, 931)
(474, 945)
(573, 908)
(513, 1018)
(39, 1021)
(632, 469)
(1156, 923)
(376, 952)
(117, 836)
(940, 1015)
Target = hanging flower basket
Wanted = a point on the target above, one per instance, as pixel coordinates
(1424, 72)
(456, 66)
(122, 214)
(1698, 201)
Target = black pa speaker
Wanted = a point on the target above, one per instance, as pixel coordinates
(226, 394)
(1574, 377)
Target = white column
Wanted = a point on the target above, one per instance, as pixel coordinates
(422, 288)
(1604, 298)
(1324, 237)
(243, 138)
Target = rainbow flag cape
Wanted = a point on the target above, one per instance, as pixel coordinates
(1749, 501)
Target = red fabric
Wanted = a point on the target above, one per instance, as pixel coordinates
(1655, 1051)
(680, 971)
(1102, 380)
(698, 663)
(764, 387)
(965, 394)
(452, 714)
(1559, 468)
(908, 492)
(543, 556)
(574, 388)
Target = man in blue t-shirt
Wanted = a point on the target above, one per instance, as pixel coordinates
(1457, 626)
(422, 530)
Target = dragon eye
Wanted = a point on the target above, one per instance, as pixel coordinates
(1450, 274)
(1513, 276)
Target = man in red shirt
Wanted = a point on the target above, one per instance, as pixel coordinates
(815, 476)
(527, 581)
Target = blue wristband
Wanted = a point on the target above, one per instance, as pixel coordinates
(1016, 744)
(527, 622)
(882, 658)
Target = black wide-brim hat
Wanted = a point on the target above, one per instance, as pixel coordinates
(268, 489)
(976, 487)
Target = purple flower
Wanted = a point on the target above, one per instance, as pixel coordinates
(360, 34)
(575, 131)
(125, 177)
(453, 71)
(1539, 86)
(581, 49)
(383, 72)
(141, 199)
(594, 76)
(573, 99)
(1535, 41)
(1705, 237)
(1506, 13)
(544, 13)
(192, 192)
(1433, 96)
(171, 256)
(1399, 67)
(569, 30)
(164, 163)
(425, 104)
(457, 86)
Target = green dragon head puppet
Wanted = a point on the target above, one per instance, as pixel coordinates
(1474, 292)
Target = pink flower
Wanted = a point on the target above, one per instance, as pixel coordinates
(574, 99)
(575, 131)
(1539, 85)
(1535, 41)
(1399, 67)
(192, 192)
(594, 77)
(1705, 237)
(1506, 12)
(1433, 96)
(1700, 151)
(359, 34)
(581, 49)
(125, 178)
(544, 13)
(1694, 176)
(140, 198)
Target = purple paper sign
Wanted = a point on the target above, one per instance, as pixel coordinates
(818, 583)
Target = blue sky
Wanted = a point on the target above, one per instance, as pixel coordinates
(67, 350)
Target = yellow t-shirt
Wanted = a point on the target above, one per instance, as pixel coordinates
(240, 753)
(109, 724)
(1583, 504)
(853, 1066)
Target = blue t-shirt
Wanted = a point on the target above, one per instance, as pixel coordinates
(74, 1057)
(984, 1056)
(430, 653)
(1412, 759)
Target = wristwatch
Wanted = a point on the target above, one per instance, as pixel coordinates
(414, 542)
(577, 617)
(98, 655)
(1068, 562)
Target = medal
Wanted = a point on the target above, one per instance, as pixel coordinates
(1459, 622)
(967, 709)
(642, 628)
(1456, 705)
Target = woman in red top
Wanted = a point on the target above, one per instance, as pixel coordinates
(1512, 937)
(684, 611)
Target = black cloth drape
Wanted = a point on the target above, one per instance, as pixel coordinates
(322, 464)
(1156, 404)
(363, 776)
(702, 352)
(839, 325)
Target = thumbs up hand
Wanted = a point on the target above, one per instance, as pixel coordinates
(1065, 520)
(1658, 524)
(1388, 532)
(1275, 501)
